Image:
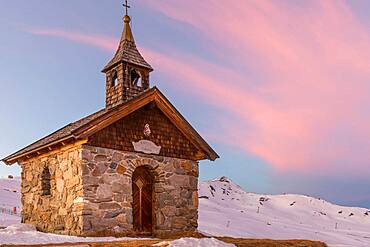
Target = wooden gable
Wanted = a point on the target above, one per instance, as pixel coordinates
(120, 134)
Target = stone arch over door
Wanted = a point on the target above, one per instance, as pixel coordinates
(154, 166)
(143, 200)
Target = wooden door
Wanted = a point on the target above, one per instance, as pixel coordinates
(142, 190)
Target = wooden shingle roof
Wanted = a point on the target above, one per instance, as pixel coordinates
(127, 50)
(91, 124)
(58, 135)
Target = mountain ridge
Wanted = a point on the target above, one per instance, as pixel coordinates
(226, 209)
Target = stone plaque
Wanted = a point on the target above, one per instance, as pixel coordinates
(147, 147)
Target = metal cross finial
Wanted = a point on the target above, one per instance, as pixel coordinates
(126, 6)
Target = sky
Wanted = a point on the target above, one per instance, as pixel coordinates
(280, 89)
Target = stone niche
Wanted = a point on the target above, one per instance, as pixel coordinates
(91, 192)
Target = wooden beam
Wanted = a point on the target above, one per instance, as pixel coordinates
(56, 150)
(41, 150)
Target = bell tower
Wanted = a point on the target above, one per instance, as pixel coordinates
(127, 74)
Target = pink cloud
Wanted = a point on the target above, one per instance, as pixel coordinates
(309, 109)
(99, 41)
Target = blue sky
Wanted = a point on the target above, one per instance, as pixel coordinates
(222, 74)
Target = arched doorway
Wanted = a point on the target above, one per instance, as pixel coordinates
(142, 192)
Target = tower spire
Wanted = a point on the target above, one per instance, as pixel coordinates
(127, 50)
(127, 73)
(127, 33)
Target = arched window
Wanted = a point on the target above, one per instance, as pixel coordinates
(114, 80)
(45, 182)
(135, 78)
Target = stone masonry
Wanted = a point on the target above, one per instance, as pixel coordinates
(60, 212)
(91, 192)
(108, 191)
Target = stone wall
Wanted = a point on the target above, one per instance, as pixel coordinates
(61, 211)
(91, 192)
(108, 192)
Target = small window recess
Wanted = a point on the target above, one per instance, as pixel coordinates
(136, 78)
(114, 80)
(45, 182)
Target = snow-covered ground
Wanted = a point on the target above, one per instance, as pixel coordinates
(9, 198)
(225, 209)
(195, 242)
(27, 234)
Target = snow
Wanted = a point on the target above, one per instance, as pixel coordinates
(7, 220)
(225, 209)
(26, 234)
(10, 192)
(231, 211)
(9, 198)
(195, 242)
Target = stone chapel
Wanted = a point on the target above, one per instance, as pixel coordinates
(128, 169)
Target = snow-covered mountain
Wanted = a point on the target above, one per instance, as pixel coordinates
(9, 198)
(225, 209)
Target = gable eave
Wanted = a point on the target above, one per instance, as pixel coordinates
(58, 136)
(186, 128)
(112, 64)
(12, 159)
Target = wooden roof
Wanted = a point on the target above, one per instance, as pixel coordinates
(91, 124)
(127, 50)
